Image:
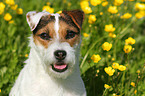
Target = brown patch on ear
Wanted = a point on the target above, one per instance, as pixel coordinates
(77, 16)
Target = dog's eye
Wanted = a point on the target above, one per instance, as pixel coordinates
(44, 36)
(70, 34)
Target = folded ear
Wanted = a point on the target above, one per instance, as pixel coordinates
(77, 16)
(34, 17)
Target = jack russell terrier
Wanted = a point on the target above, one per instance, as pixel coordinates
(52, 68)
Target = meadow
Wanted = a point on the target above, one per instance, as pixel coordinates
(112, 60)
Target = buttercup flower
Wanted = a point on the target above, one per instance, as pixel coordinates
(132, 84)
(138, 71)
(2, 7)
(84, 4)
(19, 11)
(135, 91)
(130, 40)
(101, 13)
(109, 71)
(10, 2)
(87, 10)
(85, 35)
(48, 9)
(121, 68)
(11, 22)
(112, 35)
(95, 2)
(14, 7)
(143, 0)
(115, 65)
(112, 9)
(107, 46)
(92, 19)
(104, 3)
(126, 16)
(127, 48)
(118, 2)
(59, 12)
(109, 28)
(96, 58)
(140, 14)
(140, 6)
(107, 86)
(7, 17)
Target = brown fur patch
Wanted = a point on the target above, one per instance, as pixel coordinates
(63, 32)
(49, 29)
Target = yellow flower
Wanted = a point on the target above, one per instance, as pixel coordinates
(7, 17)
(96, 58)
(115, 65)
(130, 40)
(109, 71)
(140, 14)
(127, 48)
(130, 0)
(104, 3)
(10, 2)
(109, 28)
(135, 91)
(85, 35)
(84, 4)
(112, 9)
(48, 9)
(107, 86)
(101, 13)
(92, 19)
(138, 71)
(2, 5)
(140, 6)
(107, 46)
(59, 12)
(0, 90)
(118, 2)
(121, 68)
(132, 84)
(112, 35)
(95, 2)
(143, 0)
(19, 11)
(26, 55)
(14, 7)
(87, 10)
(113, 59)
(48, 3)
(126, 16)
(11, 22)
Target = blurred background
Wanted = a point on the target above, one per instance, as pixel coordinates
(112, 59)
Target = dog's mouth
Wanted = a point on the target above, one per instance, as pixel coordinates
(59, 67)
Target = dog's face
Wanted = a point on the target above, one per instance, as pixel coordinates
(56, 38)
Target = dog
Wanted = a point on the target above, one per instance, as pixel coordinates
(52, 68)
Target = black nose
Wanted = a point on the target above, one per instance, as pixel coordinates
(60, 54)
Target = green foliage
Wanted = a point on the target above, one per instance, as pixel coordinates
(14, 47)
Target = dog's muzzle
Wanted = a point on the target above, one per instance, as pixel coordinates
(60, 65)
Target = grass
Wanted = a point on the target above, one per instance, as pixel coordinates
(14, 47)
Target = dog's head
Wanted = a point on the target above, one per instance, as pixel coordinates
(56, 39)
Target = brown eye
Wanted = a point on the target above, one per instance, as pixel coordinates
(45, 36)
(70, 34)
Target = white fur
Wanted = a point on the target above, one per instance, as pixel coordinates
(37, 77)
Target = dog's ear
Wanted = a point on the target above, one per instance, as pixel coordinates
(77, 16)
(34, 17)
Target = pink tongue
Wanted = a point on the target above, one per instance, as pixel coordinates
(60, 66)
